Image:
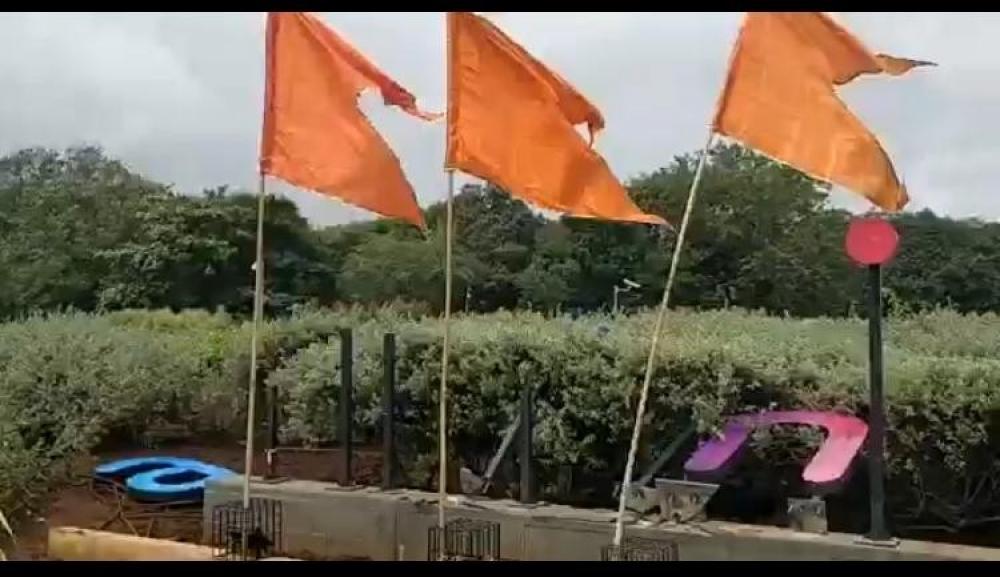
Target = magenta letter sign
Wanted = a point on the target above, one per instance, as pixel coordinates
(829, 465)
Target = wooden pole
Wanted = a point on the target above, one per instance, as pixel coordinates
(650, 361)
(446, 341)
(445, 349)
(273, 417)
(258, 313)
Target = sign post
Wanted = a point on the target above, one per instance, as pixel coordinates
(872, 242)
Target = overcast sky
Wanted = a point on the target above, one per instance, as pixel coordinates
(178, 96)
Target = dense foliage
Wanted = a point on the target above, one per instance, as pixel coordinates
(85, 241)
(67, 381)
(942, 378)
(81, 230)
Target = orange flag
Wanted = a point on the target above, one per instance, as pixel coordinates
(315, 136)
(511, 121)
(780, 99)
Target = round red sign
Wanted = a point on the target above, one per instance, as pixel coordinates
(871, 241)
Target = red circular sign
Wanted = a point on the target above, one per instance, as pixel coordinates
(871, 241)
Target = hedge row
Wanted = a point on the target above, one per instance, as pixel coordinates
(943, 382)
(67, 381)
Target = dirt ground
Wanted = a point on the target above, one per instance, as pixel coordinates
(83, 503)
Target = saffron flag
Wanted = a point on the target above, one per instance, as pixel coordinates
(780, 99)
(511, 122)
(315, 136)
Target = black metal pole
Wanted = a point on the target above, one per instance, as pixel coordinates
(345, 431)
(525, 457)
(388, 404)
(876, 417)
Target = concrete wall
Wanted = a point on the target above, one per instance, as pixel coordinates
(325, 520)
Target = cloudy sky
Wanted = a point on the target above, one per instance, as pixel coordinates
(178, 96)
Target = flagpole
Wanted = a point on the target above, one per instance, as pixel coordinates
(258, 313)
(445, 349)
(664, 304)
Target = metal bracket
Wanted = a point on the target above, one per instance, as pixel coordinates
(642, 499)
(666, 455)
(505, 443)
(683, 501)
(807, 515)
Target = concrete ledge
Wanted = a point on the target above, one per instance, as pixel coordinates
(322, 519)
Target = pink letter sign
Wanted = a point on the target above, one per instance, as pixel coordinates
(844, 436)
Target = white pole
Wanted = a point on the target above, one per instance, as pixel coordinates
(643, 396)
(258, 310)
(443, 393)
(258, 313)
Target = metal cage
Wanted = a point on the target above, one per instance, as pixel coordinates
(464, 540)
(636, 549)
(241, 534)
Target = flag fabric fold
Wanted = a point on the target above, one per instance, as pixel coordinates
(315, 135)
(511, 121)
(780, 99)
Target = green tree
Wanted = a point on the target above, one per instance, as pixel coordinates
(385, 268)
(498, 231)
(755, 219)
(58, 212)
(174, 260)
(198, 252)
(946, 262)
(79, 229)
(551, 278)
(608, 252)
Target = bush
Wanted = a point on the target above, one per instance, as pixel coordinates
(67, 381)
(941, 384)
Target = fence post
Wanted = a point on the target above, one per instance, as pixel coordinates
(346, 421)
(272, 432)
(526, 461)
(388, 406)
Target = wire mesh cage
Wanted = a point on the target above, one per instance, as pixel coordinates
(241, 534)
(636, 549)
(464, 540)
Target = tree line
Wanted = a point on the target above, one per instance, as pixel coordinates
(81, 230)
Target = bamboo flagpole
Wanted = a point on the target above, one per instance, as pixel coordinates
(258, 313)
(258, 289)
(650, 361)
(304, 95)
(258, 310)
(772, 51)
(647, 378)
(446, 340)
(445, 350)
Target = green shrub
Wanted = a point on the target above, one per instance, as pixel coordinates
(68, 380)
(941, 385)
